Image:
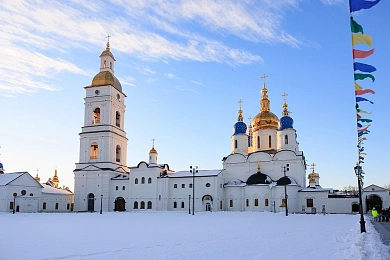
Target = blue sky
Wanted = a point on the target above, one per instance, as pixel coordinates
(183, 66)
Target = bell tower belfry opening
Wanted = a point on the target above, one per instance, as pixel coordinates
(103, 142)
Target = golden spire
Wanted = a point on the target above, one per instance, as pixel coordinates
(108, 42)
(258, 165)
(37, 177)
(264, 102)
(285, 106)
(313, 165)
(55, 179)
(240, 118)
(153, 150)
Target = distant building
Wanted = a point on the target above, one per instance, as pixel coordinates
(264, 166)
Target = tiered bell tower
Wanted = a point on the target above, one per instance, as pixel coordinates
(103, 142)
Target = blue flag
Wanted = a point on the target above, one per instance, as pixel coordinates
(358, 99)
(356, 5)
(363, 67)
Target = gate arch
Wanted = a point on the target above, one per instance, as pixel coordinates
(91, 202)
(372, 201)
(120, 204)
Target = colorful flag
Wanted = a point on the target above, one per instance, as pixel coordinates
(364, 120)
(361, 38)
(363, 67)
(356, 5)
(355, 27)
(358, 54)
(361, 76)
(364, 91)
(359, 99)
(358, 87)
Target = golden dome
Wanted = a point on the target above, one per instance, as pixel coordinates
(265, 120)
(37, 178)
(313, 175)
(312, 180)
(153, 150)
(107, 52)
(104, 78)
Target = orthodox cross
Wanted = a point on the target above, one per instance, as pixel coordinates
(153, 141)
(37, 172)
(264, 77)
(250, 120)
(313, 165)
(108, 37)
(284, 96)
(239, 102)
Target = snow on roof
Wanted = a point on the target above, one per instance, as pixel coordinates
(121, 177)
(317, 188)
(201, 173)
(6, 178)
(48, 189)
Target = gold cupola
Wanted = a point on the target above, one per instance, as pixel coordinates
(265, 119)
(55, 179)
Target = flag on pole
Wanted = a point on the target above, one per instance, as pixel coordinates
(356, 5)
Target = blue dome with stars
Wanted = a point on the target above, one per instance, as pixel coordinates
(239, 128)
(1, 165)
(286, 122)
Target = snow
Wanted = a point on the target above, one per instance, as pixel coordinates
(201, 173)
(6, 178)
(52, 190)
(178, 235)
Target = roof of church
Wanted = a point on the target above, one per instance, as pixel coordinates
(6, 178)
(52, 190)
(258, 178)
(201, 173)
(104, 78)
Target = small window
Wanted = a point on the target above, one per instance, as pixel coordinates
(68, 206)
(135, 204)
(149, 205)
(142, 204)
(31, 194)
(220, 204)
(136, 181)
(118, 153)
(256, 202)
(116, 188)
(269, 142)
(182, 204)
(175, 185)
(309, 203)
(235, 144)
(44, 205)
(208, 185)
(286, 139)
(11, 205)
(110, 65)
(150, 180)
(183, 186)
(190, 186)
(118, 119)
(104, 64)
(123, 187)
(266, 202)
(94, 151)
(159, 197)
(143, 180)
(175, 205)
(57, 205)
(231, 203)
(258, 142)
(96, 116)
(15, 194)
(247, 202)
(23, 192)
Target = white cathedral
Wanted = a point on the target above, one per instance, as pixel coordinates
(265, 171)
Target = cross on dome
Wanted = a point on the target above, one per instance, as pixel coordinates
(153, 141)
(313, 165)
(284, 96)
(264, 77)
(240, 101)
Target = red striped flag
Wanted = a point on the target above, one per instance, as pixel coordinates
(358, 54)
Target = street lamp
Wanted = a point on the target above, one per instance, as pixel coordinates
(189, 204)
(285, 190)
(358, 173)
(101, 204)
(13, 208)
(193, 171)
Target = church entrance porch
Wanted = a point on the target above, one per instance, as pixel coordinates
(373, 201)
(120, 204)
(207, 200)
(91, 202)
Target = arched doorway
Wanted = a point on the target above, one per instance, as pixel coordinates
(91, 202)
(120, 204)
(355, 207)
(373, 201)
(207, 200)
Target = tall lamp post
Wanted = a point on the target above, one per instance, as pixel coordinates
(193, 171)
(101, 204)
(358, 173)
(285, 190)
(189, 204)
(13, 208)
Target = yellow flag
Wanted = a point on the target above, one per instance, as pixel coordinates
(361, 38)
(358, 87)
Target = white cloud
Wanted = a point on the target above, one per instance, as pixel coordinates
(185, 89)
(197, 82)
(332, 2)
(171, 76)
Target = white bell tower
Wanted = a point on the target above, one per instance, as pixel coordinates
(103, 142)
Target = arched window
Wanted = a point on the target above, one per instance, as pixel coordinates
(116, 187)
(123, 187)
(110, 65)
(136, 181)
(142, 204)
(143, 180)
(174, 204)
(94, 151)
(269, 142)
(150, 180)
(44, 205)
(256, 202)
(258, 142)
(247, 202)
(135, 204)
(355, 207)
(104, 64)
(266, 202)
(57, 205)
(68, 206)
(96, 116)
(182, 204)
(118, 119)
(118, 153)
(286, 139)
(149, 205)
(235, 144)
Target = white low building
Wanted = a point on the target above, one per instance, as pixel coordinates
(265, 171)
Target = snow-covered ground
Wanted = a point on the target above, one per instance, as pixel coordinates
(172, 235)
